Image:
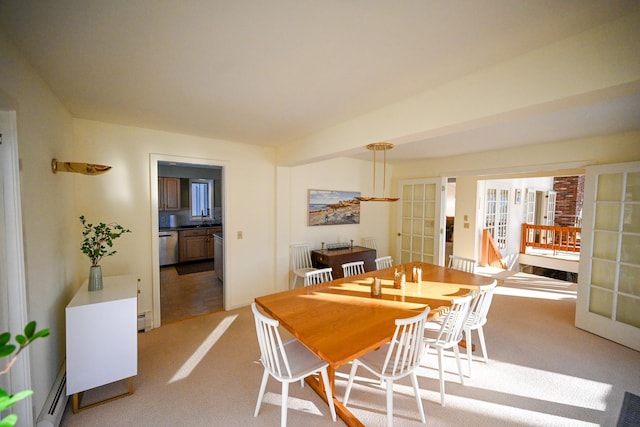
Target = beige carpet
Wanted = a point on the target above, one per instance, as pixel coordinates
(542, 372)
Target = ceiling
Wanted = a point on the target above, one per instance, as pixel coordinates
(271, 72)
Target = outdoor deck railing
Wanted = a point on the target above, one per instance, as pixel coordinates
(550, 237)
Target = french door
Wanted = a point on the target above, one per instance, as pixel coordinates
(608, 302)
(420, 221)
(496, 216)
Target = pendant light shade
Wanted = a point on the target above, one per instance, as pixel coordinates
(375, 147)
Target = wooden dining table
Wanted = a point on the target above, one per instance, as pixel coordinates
(340, 320)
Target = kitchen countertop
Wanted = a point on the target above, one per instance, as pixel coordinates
(189, 227)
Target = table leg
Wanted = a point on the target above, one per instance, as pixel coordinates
(345, 414)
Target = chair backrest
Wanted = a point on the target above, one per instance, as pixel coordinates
(384, 262)
(454, 321)
(406, 347)
(369, 242)
(480, 305)
(318, 276)
(460, 263)
(300, 256)
(272, 354)
(353, 268)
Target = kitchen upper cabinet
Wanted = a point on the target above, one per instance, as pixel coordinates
(168, 194)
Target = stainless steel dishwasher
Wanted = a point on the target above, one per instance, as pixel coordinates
(169, 251)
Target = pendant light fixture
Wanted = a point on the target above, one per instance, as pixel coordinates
(375, 147)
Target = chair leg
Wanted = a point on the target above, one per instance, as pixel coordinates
(482, 344)
(352, 374)
(441, 372)
(283, 410)
(263, 386)
(389, 403)
(457, 353)
(325, 379)
(416, 391)
(469, 344)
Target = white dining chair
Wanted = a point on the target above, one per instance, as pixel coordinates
(318, 276)
(353, 268)
(395, 360)
(476, 320)
(300, 261)
(286, 362)
(384, 262)
(369, 242)
(446, 333)
(461, 263)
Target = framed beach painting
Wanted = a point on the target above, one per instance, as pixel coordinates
(328, 207)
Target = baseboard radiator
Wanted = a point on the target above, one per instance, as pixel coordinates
(144, 321)
(53, 408)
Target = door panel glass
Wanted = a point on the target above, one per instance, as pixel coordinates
(630, 279)
(632, 193)
(609, 187)
(601, 302)
(418, 208)
(628, 311)
(603, 274)
(631, 220)
(605, 245)
(607, 217)
(630, 249)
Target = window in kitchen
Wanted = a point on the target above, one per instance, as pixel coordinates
(201, 198)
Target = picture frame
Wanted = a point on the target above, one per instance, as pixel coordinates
(331, 207)
(518, 196)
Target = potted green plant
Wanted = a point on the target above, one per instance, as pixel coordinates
(97, 241)
(7, 348)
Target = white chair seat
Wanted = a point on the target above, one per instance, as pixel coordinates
(477, 319)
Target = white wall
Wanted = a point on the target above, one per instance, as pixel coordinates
(125, 195)
(339, 174)
(45, 130)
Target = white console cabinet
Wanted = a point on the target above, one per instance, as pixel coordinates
(102, 337)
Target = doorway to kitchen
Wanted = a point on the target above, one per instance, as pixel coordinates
(187, 207)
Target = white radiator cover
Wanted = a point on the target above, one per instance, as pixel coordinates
(53, 408)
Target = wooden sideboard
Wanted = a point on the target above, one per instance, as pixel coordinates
(334, 258)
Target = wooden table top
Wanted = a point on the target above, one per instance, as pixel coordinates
(340, 321)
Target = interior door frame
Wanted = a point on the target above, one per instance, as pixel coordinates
(12, 265)
(440, 220)
(155, 250)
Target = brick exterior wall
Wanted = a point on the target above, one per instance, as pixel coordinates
(569, 196)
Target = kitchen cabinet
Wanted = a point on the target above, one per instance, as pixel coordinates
(102, 337)
(168, 194)
(218, 261)
(197, 244)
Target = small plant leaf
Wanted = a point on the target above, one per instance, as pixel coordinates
(9, 421)
(7, 349)
(4, 338)
(30, 329)
(41, 334)
(20, 339)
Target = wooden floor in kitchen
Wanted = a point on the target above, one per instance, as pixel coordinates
(188, 295)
